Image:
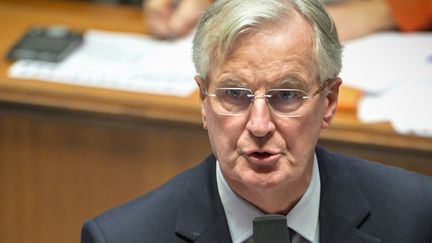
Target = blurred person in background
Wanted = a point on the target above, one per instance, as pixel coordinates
(353, 18)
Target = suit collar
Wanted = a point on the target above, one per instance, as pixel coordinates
(201, 217)
(343, 208)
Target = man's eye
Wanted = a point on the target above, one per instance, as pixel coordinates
(287, 95)
(232, 95)
(235, 93)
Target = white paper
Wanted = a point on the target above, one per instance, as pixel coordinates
(407, 106)
(394, 70)
(120, 61)
(380, 61)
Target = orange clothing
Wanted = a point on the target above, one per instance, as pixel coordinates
(412, 15)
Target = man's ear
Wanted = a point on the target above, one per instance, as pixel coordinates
(200, 84)
(332, 101)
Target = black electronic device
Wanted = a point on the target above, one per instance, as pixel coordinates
(270, 228)
(51, 44)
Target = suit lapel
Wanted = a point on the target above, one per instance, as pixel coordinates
(201, 216)
(342, 206)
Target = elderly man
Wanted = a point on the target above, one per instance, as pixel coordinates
(268, 79)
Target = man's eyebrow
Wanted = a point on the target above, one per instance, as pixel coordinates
(290, 83)
(230, 83)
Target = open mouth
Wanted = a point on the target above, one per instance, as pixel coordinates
(262, 159)
(261, 155)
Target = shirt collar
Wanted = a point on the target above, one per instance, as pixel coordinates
(303, 218)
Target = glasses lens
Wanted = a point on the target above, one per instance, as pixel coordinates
(232, 100)
(286, 101)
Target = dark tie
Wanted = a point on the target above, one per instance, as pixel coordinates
(271, 229)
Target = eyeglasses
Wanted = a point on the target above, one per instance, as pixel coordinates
(283, 102)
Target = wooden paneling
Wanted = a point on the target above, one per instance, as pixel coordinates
(59, 168)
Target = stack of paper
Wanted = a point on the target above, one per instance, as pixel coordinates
(407, 106)
(395, 72)
(120, 61)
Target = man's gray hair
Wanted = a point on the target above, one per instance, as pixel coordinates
(226, 20)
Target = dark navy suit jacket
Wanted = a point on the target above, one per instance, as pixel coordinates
(361, 201)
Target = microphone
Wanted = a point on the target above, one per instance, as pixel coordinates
(271, 228)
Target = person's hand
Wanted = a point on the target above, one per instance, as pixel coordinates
(173, 18)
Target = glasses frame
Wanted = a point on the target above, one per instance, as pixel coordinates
(254, 96)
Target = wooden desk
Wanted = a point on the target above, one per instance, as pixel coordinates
(69, 152)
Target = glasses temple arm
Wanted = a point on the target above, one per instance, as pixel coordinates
(321, 87)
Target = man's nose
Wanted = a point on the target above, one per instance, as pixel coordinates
(260, 121)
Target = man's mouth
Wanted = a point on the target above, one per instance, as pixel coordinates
(262, 158)
(260, 155)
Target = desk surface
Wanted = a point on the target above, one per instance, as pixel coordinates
(81, 16)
